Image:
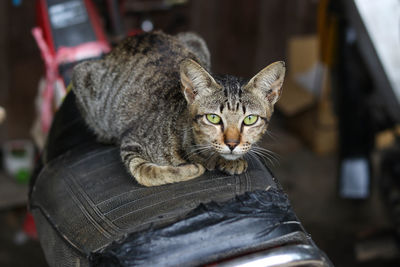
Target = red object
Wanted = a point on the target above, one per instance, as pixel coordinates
(43, 22)
(53, 57)
(95, 20)
(63, 55)
(29, 226)
(135, 32)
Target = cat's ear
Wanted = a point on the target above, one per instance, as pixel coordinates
(195, 80)
(268, 82)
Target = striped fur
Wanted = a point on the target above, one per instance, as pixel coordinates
(151, 95)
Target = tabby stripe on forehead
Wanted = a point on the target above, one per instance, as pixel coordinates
(244, 109)
(221, 107)
(237, 106)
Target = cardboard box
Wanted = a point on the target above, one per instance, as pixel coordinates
(306, 99)
(321, 137)
(387, 138)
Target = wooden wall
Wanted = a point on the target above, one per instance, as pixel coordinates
(243, 36)
(20, 68)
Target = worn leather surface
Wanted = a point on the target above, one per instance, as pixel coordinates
(89, 198)
(214, 231)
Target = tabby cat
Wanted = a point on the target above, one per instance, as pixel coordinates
(155, 97)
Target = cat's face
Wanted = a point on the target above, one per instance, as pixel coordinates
(230, 114)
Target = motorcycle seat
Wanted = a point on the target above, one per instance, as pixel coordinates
(90, 212)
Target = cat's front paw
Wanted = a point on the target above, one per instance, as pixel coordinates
(232, 166)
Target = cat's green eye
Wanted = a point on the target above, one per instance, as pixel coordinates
(213, 118)
(250, 120)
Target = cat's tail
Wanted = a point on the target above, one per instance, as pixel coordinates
(150, 174)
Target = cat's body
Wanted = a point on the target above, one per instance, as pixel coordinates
(150, 96)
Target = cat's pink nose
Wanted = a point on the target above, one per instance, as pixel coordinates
(232, 137)
(231, 144)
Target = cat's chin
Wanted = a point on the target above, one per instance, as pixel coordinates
(231, 156)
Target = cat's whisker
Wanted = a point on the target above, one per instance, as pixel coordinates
(213, 153)
(272, 136)
(254, 155)
(271, 160)
(198, 149)
(201, 149)
(267, 151)
(193, 153)
(263, 158)
(199, 145)
(274, 161)
(188, 129)
(196, 146)
(272, 157)
(249, 158)
(268, 154)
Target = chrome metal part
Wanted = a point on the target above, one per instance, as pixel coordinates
(288, 256)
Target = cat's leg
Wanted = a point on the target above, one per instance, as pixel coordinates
(237, 166)
(151, 174)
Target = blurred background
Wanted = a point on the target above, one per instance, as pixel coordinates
(334, 136)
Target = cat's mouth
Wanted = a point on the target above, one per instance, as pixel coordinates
(231, 156)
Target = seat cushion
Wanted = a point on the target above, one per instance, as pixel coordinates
(86, 205)
(213, 232)
(89, 197)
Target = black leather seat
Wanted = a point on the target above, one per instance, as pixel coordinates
(89, 211)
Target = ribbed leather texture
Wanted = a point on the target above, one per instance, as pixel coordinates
(92, 200)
